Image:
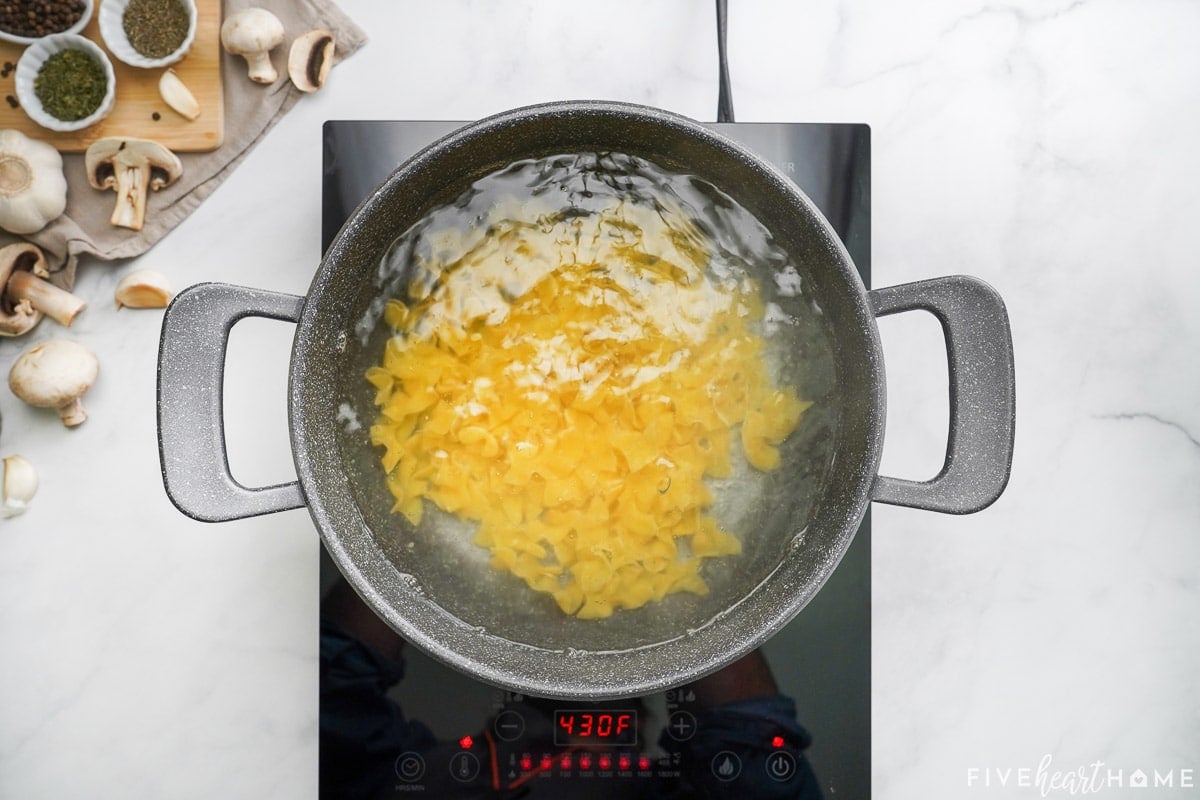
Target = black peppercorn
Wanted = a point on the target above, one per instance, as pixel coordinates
(33, 18)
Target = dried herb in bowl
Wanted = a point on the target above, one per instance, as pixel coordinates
(70, 85)
(155, 28)
(34, 18)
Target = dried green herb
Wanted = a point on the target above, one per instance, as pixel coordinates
(155, 28)
(71, 85)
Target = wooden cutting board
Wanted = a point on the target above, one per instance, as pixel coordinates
(137, 100)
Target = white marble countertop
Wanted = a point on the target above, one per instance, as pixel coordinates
(1046, 147)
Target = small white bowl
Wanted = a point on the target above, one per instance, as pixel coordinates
(30, 64)
(89, 6)
(112, 30)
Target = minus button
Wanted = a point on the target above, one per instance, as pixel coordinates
(509, 725)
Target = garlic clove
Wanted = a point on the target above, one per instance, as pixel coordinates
(19, 485)
(177, 95)
(143, 288)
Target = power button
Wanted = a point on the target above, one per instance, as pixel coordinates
(781, 766)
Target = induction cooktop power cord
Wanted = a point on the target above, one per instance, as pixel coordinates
(724, 92)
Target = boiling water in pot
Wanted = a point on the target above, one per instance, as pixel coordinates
(692, 256)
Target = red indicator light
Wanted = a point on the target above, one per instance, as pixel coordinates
(643, 763)
(624, 762)
(466, 743)
(526, 763)
(585, 761)
(606, 762)
(546, 763)
(564, 761)
(777, 742)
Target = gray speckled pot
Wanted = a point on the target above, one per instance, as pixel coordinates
(445, 600)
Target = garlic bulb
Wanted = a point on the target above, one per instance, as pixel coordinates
(33, 189)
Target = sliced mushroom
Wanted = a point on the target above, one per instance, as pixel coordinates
(55, 374)
(27, 295)
(310, 59)
(132, 167)
(253, 33)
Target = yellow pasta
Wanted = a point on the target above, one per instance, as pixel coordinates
(569, 390)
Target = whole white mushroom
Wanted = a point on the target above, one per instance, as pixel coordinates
(55, 374)
(253, 33)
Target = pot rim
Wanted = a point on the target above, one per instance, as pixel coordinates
(522, 667)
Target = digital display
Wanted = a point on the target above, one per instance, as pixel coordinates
(595, 726)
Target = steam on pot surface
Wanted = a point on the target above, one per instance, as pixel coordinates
(595, 389)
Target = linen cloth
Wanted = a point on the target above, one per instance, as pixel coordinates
(251, 110)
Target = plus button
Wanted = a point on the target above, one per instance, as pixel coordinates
(681, 726)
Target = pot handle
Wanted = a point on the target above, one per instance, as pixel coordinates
(191, 429)
(979, 348)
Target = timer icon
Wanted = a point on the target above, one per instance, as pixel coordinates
(410, 766)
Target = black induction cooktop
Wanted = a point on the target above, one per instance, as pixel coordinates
(822, 659)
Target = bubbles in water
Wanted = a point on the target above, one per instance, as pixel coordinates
(347, 417)
(569, 193)
(411, 582)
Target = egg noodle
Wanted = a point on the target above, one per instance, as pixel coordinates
(568, 382)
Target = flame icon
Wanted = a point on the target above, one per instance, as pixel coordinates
(726, 765)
